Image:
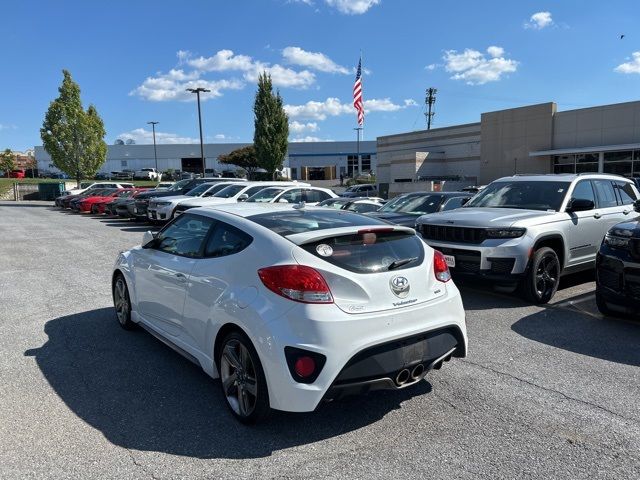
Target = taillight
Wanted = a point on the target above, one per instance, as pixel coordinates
(440, 267)
(296, 282)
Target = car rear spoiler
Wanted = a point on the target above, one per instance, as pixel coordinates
(315, 235)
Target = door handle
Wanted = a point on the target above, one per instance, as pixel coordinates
(626, 212)
(181, 277)
(596, 215)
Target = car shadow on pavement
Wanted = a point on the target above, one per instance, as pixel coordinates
(573, 330)
(142, 395)
(479, 295)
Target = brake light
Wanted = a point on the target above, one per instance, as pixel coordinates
(376, 230)
(296, 282)
(440, 267)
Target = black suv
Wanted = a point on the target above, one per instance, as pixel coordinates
(618, 269)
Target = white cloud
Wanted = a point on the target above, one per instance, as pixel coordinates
(352, 7)
(473, 67)
(183, 56)
(223, 60)
(142, 136)
(298, 127)
(432, 66)
(539, 20)
(227, 60)
(495, 52)
(4, 126)
(220, 136)
(632, 66)
(316, 60)
(333, 107)
(171, 87)
(410, 102)
(310, 139)
(282, 76)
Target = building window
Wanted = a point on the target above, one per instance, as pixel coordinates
(564, 164)
(123, 163)
(620, 163)
(294, 173)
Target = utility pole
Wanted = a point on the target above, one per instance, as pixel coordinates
(197, 92)
(155, 154)
(430, 100)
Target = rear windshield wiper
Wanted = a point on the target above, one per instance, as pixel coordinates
(400, 263)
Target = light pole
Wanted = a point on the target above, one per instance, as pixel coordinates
(358, 130)
(197, 92)
(155, 154)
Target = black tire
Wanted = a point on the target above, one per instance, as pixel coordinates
(122, 302)
(94, 209)
(242, 379)
(603, 307)
(542, 280)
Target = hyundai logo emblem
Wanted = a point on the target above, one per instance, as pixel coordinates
(399, 286)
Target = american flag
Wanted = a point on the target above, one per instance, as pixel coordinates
(357, 94)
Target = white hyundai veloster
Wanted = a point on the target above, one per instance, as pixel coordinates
(291, 306)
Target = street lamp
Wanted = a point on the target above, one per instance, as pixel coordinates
(197, 92)
(155, 154)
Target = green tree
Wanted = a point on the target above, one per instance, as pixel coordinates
(244, 158)
(271, 134)
(7, 161)
(72, 136)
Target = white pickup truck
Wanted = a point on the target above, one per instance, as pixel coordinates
(147, 174)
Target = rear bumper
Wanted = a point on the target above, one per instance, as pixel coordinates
(398, 364)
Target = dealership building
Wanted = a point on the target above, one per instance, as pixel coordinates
(531, 139)
(304, 161)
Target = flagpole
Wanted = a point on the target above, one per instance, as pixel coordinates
(361, 129)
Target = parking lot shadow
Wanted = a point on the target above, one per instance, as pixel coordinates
(142, 395)
(480, 295)
(578, 332)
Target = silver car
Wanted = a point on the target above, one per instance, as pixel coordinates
(530, 230)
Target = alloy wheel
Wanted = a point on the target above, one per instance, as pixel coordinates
(547, 275)
(121, 301)
(239, 379)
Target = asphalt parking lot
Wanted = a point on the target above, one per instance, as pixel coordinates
(546, 392)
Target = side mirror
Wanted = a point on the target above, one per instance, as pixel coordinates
(282, 200)
(636, 206)
(243, 197)
(580, 205)
(148, 239)
(464, 201)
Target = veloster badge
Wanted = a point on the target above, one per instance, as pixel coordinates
(399, 286)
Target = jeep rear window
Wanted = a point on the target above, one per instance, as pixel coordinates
(533, 195)
(369, 252)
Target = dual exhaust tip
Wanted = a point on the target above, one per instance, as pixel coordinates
(405, 375)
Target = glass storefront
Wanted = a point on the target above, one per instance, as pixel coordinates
(625, 163)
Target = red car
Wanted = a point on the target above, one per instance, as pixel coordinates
(100, 208)
(86, 204)
(16, 174)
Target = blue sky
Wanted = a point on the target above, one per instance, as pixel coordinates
(133, 59)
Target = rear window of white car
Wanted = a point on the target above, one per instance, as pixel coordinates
(302, 221)
(369, 251)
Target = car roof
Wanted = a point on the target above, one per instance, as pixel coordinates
(562, 177)
(245, 209)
